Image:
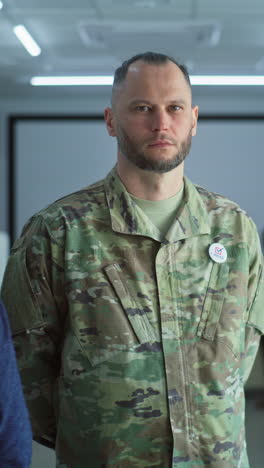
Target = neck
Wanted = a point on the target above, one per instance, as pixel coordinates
(149, 185)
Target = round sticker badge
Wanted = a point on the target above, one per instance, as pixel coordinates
(218, 253)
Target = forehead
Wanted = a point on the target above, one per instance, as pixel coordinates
(149, 81)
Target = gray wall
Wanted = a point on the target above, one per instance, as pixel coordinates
(61, 156)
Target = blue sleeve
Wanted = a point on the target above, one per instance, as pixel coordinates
(15, 431)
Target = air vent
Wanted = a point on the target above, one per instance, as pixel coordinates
(187, 33)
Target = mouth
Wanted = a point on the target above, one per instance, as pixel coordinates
(160, 143)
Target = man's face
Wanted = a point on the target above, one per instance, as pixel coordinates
(152, 117)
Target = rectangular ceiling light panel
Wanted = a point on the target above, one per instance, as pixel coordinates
(196, 80)
(71, 80)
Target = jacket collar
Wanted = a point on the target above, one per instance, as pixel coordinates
(127, 218)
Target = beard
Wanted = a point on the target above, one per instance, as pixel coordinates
(130, 151)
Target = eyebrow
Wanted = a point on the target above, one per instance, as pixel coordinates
(145, 101)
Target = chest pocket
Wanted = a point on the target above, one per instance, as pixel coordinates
(109, 320)
(214, 299)
(222, 317)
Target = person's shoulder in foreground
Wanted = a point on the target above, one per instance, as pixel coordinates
(15, 431)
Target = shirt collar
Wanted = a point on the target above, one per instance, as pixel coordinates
(127, 218)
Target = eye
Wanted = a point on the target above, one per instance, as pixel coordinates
(175, 108)
(143, 108)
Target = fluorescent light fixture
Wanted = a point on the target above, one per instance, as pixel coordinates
(71, 80)
(28, 42)
(1, 5)
(196, 80)
(227, 80)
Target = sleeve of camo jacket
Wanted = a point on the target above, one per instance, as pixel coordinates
(33, 294)
(255, 311)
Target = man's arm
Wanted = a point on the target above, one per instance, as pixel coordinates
(255, 311)
(15, 431)
(34, 297)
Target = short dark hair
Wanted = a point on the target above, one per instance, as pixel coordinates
(152, 58)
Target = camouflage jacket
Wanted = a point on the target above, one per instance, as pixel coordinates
(134, 348)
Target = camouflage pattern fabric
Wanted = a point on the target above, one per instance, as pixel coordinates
(133, 348)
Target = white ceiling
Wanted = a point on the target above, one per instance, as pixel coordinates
(94, 36)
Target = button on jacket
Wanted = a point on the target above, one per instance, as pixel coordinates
(133, 347)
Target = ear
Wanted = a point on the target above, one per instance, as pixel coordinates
(195, 112)
(109, 120)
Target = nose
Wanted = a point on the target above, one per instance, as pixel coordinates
(160, 121)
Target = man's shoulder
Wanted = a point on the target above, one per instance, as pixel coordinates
(225, 214)
(69, 211)
(76, 203)
(218, 202)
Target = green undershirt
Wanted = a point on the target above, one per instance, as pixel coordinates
(161, 212)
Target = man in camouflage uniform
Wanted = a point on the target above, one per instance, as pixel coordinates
(137, 303)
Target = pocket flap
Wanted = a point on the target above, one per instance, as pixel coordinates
(26, 314)
(137, 316)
